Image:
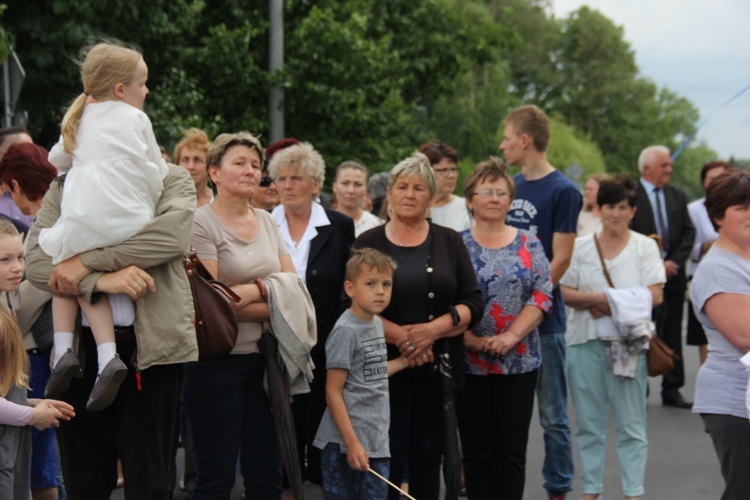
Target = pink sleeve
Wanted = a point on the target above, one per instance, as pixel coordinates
(14, 414)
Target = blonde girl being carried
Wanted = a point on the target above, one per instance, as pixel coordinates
(115, 177)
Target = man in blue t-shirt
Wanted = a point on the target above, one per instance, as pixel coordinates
(547, 203)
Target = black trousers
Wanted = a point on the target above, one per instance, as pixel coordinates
(668, 319)
(140, 428)
(731, 438)
(308, 410)
(416, 435)
(494, 413)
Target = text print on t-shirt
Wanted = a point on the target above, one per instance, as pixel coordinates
(521, 213)
(375, 360)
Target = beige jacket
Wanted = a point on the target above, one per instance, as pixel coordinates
(163, 324)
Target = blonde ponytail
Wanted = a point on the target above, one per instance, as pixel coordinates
(70, 122)
(105, 65)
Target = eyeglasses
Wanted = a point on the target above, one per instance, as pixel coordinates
(487, 193)
(265, 182)
(446, 171)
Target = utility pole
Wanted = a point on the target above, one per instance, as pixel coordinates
(276, 64)
(13, 77)
(8, 111)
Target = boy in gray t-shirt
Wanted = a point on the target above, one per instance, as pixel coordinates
(353, 433)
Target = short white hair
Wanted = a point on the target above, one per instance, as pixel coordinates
(647, 153)
(301, 156)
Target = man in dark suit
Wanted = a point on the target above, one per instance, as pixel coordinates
(662, 210)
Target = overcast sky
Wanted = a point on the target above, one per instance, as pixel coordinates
(697, 48)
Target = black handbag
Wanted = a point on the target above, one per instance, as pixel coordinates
(215, 320)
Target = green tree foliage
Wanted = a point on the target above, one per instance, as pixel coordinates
(597, 62)
(466, 116)
(686, 169)
(568, 146)
(595, 87)
(360, 76)
(740, 163)
(534, 59)
(50, 36)
(366, 79)
(5, 39)
(602, 95)
(350, 104)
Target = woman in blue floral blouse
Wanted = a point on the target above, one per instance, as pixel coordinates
(503, 350)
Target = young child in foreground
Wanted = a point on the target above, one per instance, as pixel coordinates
(353, 433)
(17, 412)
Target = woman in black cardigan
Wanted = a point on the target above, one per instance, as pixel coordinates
(435, 299)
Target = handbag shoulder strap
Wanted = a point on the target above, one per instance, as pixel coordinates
(604, 266)
(195, 268)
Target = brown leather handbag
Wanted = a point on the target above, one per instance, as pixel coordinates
(215, 320)
(660, 357)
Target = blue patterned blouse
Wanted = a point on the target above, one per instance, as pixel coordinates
(511, 277)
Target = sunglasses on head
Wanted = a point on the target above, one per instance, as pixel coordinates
(265, 182)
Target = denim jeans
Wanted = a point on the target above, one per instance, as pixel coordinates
(341, 482)
(553, 415)
(43, 443)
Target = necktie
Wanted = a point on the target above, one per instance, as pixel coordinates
(663, 227)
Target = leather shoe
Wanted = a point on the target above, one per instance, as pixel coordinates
(61, 375)
(676, 401)
(107, 385)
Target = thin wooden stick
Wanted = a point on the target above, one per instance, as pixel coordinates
(393, 485)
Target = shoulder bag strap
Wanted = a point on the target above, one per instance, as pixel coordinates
(604, 266)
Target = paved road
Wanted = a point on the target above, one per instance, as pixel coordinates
(682, 463)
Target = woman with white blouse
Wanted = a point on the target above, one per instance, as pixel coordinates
(633, 262)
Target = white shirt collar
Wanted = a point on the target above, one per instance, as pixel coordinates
(318, 216)
(300, 252)
(648, 186)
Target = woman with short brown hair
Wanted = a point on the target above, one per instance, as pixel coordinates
(226, 402)
(721, 298)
